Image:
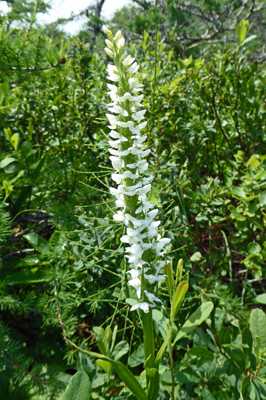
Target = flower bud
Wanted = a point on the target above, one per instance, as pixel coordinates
(106, 30)
(121, 43)
(118, 35)
(109, 43)
(109, 52)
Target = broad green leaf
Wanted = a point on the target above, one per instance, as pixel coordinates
(37, 242)
(168, 270)
(25, 149)
(196, 256)
(85, 364)
(253, 161)
(195, 320)
(7, 161)
(99, 335)
(29, 276)
(8, 133)
(105, 365)
(238, 193)
(78, 388)
(63, 377)
(254, 248)
(236, 214)
(261, 298)
(137, 357)
(262, 198)
(120, 350)
(178, 298)
(258, 326)
(237, 356)
(14, 141)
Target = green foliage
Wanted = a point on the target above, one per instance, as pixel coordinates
(63, 271)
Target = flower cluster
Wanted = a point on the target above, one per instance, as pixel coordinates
(145, 247)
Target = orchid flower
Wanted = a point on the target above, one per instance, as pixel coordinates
(144, 246)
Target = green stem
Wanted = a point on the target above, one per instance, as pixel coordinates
(172, 368)
(148, 337)
(152, 376)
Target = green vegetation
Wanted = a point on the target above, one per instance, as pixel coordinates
(63, 293)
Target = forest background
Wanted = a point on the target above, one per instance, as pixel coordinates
(63, 272)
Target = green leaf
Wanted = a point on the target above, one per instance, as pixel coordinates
(254, 248)
(237, 356)
(253, 161)
(195, 320)
(8, 189)
(25, 149)
(35, 174)
(7, 161)
(29, 276)
(37, 242)
(249, 39)
(105, 365)
(241, 31)
(168, 270)
(137, 357)
(14, 141)
(120, 350)
(8, 133)
(99, 335)
(261, 298)
(262, 199)
(179, 296)
(29, 261)
(63, 377)
(236, 214)
(258, 326)
(179, 271)
(162, 348)
(129, 379)
(195, 257)
(162, 321)
(123, 372)
(238, 193)
(79, 387)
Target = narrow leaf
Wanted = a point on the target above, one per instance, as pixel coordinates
(168, 270)
(162, 348)
(195, 320)
(179, 296)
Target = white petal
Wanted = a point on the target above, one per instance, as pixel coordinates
(143, 306)
(128, 61)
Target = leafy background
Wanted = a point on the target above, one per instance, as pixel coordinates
(63, 272)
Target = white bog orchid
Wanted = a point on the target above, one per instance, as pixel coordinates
(144, 246)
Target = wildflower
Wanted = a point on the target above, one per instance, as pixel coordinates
(144, 246)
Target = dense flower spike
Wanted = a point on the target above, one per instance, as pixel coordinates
(128, 157)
